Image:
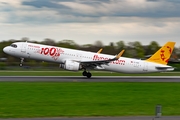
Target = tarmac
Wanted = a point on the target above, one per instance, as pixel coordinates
(93, 79)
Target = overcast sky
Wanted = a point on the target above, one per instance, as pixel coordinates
(86, 21)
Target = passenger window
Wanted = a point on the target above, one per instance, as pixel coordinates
(13, 45)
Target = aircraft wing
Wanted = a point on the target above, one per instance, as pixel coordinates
(93, 64)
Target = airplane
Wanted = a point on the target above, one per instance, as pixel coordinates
(75, 60)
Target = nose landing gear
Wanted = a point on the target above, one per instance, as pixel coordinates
(21, 64)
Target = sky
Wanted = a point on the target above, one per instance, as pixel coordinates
(86, 21)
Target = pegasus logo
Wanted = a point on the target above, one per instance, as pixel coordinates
(170, 50)
(163, 53)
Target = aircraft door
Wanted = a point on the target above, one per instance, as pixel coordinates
(145, 67)
(23, 47)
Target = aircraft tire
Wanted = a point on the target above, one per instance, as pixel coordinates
(84, 73)
(21, 65)
(89, 75)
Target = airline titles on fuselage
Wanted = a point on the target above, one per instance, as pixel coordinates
(55, 52)
(119, 61)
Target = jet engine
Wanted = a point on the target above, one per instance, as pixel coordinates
(71, 65)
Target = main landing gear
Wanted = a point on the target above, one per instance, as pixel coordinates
(87, 74)
(21, 64)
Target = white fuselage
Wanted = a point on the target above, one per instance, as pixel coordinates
(60, 55)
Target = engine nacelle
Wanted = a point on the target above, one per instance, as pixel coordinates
(71, 65)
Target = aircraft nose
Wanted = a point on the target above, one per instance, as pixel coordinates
(5, 49)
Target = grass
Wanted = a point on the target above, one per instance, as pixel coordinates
(79, 73)
(54, 99)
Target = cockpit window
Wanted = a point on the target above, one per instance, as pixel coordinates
(13, 45)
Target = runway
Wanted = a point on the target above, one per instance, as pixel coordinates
(93, 79)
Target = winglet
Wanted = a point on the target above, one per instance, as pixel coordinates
(120, 54)
(100, 51)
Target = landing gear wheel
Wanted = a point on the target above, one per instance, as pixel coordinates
(21, 64)
(89, 75)
(84, 73)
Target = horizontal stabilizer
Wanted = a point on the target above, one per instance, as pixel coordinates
(165, 68)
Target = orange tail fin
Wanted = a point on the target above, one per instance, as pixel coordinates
(163, 54)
